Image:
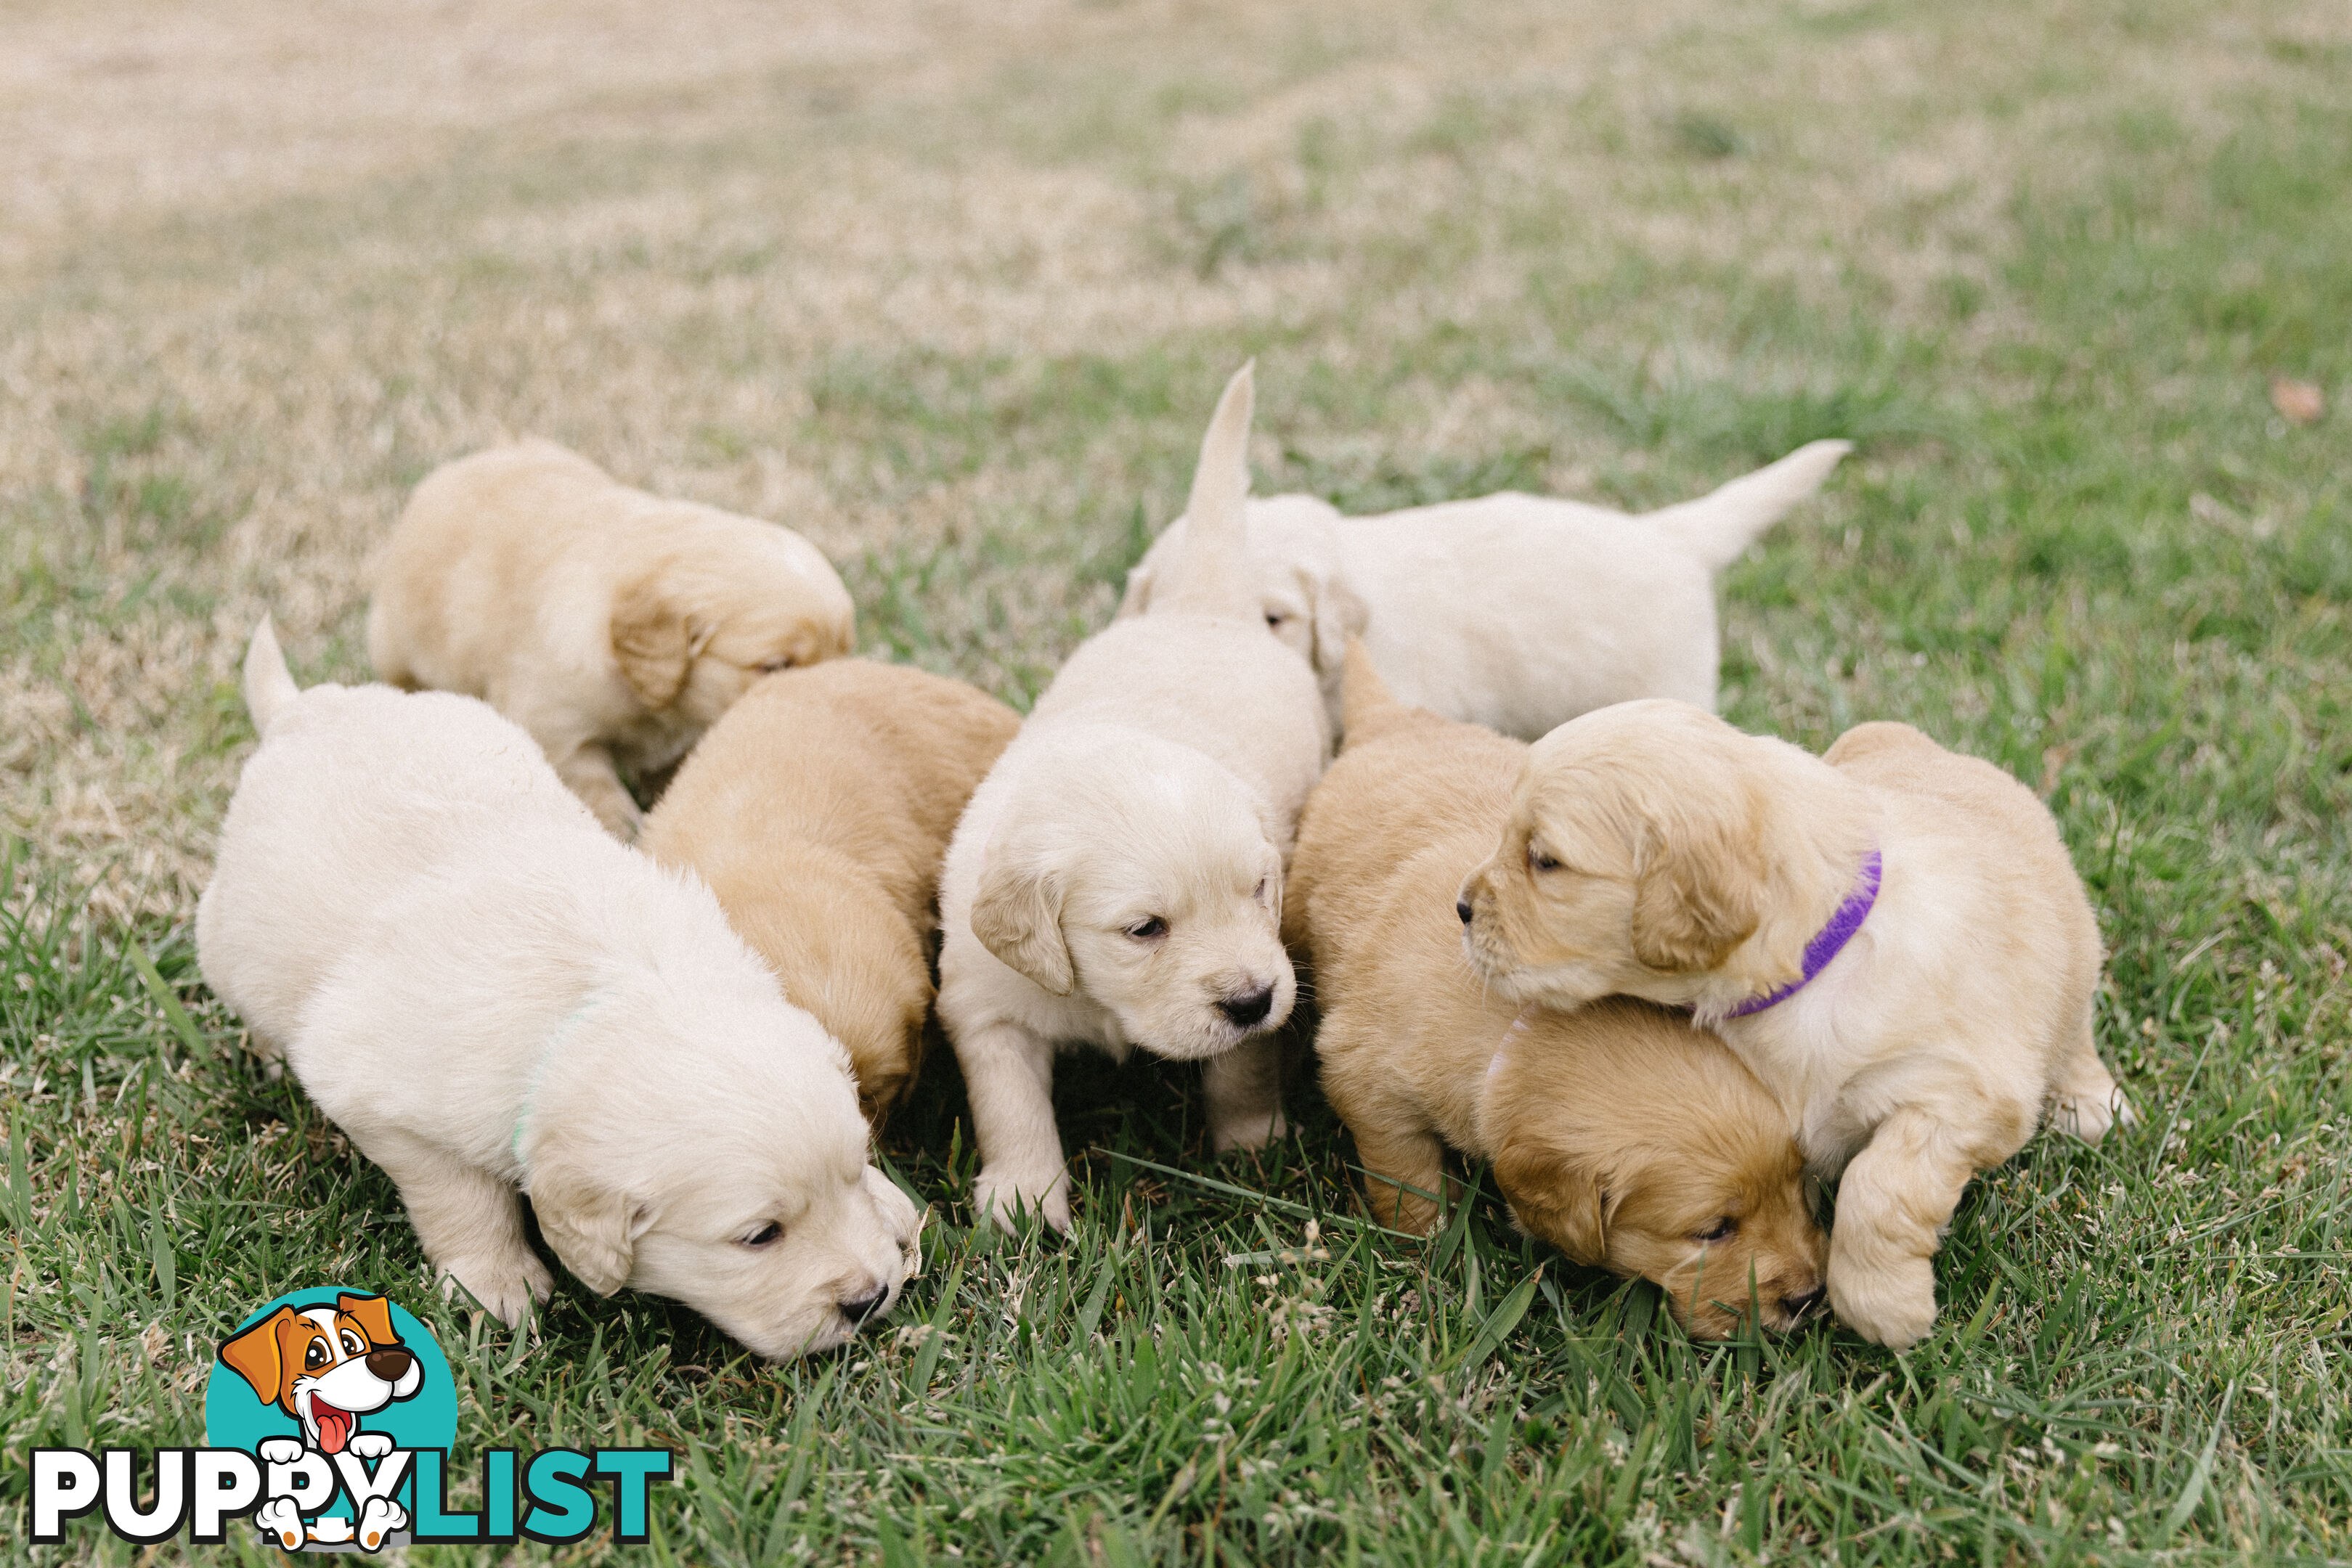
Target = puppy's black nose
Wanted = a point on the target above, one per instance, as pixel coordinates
(864, 1307)
(1249, 1008)
(1798, 1306)
(1462, 908)
(389, 1362)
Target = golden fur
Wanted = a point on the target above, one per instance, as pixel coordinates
(1653, 851)
(1619, 1133)
(818, 809)
(613, 625)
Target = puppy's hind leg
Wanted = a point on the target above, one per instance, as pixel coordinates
(469, 1223)
(588, 771)
(2083, 1096)
(1244, 1089)
(1008, 1072)
(1892, 1208)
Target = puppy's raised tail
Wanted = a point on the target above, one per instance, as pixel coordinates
(1726, 521)
(268, 684)
(1209, 575)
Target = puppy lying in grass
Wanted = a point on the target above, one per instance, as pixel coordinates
(613, 625)
(1890, 937)
(1621, 1135)
(1514, 612)
(818, 809)
(1116, 880)
(486, 992)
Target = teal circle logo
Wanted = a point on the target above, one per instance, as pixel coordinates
(326, 1387)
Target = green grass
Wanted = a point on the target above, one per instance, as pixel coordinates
(2075, 539)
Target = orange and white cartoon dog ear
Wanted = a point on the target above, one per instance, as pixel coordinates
(374, 1314)
(254, 1355)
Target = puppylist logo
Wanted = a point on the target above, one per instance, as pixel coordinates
(329, 1419)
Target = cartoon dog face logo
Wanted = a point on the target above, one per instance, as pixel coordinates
(326, 1366)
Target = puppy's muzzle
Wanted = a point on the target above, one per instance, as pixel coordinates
(1798, 1306)
(1247, 1009)
(390, 1363)
(1462, 908)
(860, 1308)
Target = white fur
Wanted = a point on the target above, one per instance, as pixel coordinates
(1514, 611)
(1160, 776)
(486, 991)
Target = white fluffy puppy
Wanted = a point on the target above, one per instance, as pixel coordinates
(614, 625)
(1117, 880)
(1514, 612)
(486, 992)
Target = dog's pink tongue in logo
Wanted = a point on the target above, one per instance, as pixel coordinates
(334, 1426)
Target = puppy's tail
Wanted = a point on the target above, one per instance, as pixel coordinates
(1726, 521)
(1209, 575)
(268, 684)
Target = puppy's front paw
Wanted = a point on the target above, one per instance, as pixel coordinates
(279, 1517)
(1252, 1130)
(369, 1445)
(278, 1450)
(1001, 1197)
(379, 1517)
(505, 1285)
(2088, 1116)
(1894, 1306)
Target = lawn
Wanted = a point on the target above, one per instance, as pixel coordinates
(951, 290)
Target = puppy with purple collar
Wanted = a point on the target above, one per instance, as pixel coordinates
(1892, 936)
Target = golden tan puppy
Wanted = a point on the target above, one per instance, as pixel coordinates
(1890, 937)
(1619, 1134)
(613, 625)
(818, 809)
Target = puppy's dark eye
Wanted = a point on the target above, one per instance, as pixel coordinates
(1721, 1230)
(764, 1235)
(772, 666)
(316, 1355)
(353, 1344)
(1538, 861)
(1258, 892)
(1149, 930)
(1275, 621)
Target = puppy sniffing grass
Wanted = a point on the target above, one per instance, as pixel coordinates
(1514, 612)
(613, 625)
(1892, 936)
(488, 993)
(1116, 880)
(818, 809)
(1619, 1133)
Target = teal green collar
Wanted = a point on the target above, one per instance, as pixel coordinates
(539, 1069)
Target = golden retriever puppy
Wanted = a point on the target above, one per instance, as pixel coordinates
(1116, 880)
(1892, 936)
(488, 993)
(1514, 611)
(613, 625)
(1619, 1133)
(818, 809)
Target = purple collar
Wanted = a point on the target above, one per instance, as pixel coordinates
(1829, 941)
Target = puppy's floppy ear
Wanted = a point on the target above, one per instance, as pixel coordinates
(374, 1314)
(254, 1357)
(1563, 1199)
(652, 642)
(1699, 886)
(592, 1225)
(1137, 599)
(1017, 915)
(1338, 613)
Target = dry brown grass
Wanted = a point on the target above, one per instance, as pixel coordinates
(846, 266)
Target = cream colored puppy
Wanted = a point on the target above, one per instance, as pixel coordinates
(486, 993)
(1620, 1134)
(1518, 612)
(818, 809)
(1116, 880)
(613, 625)
(1892, 936)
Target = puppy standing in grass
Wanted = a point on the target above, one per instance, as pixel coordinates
(613, 625)
(1518, 612)
(818, 809)
(1890, 936)
(1116, 880)
(486, 992)
(1619, 1133)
